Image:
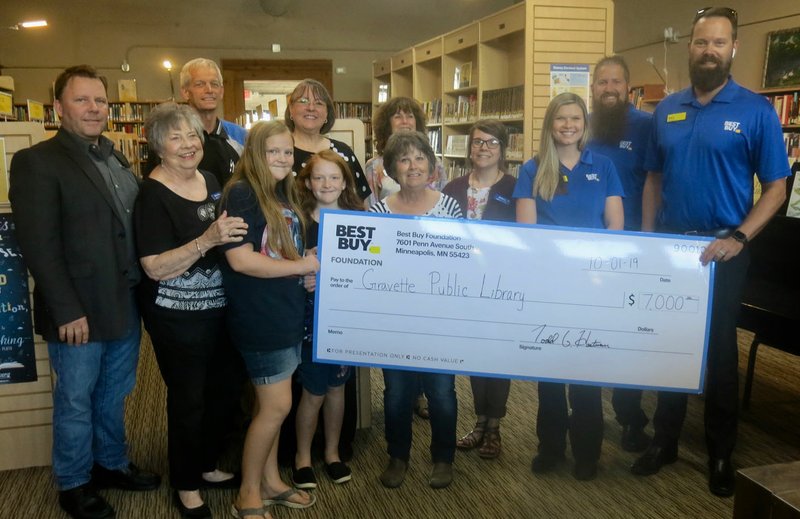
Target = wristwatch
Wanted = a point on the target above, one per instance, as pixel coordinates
(739, 236)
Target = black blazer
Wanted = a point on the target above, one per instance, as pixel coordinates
(72, 239)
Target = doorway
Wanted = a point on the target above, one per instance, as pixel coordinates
(236, 71)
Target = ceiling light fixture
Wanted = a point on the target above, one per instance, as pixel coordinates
(167, 64)
(28, 25)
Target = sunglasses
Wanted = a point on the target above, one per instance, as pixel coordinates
(726, 12)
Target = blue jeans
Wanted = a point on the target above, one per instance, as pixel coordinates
(399, 396)
(92, 381)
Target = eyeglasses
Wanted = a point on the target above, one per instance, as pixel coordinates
(306, 101)
(727, 12)
(491, 143)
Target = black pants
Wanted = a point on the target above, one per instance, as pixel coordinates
(203, 374)
(585, 424)
(722, 369)
(627, 405)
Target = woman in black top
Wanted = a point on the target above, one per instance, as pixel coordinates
(183, 302)
(309, 115)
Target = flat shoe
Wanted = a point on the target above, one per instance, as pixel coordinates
(338, 472)
(200, 512)
(304, 478)
(282, 499)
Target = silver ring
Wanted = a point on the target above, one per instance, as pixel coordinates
(723, 253)
(230, 234)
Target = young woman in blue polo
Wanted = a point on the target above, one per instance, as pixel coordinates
(568, 185)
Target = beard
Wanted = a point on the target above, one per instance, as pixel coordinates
(707, 79)
(608, 122)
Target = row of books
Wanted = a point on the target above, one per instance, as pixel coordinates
(465, 109)
(457, 144)
(516, 145)
(792, 142)
(787, 106)
(435, 138)
(504, 103)
(433, 111)
(455, 169)
(50, 115)
(353, 110)
(129, 111)
(129, 127)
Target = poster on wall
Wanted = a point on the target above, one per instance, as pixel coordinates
(569, 78)
(17, 355)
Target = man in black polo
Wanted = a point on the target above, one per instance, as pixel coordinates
(202, 89)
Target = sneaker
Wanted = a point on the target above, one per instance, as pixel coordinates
(395, 473)
(338, 472)
(304, 478)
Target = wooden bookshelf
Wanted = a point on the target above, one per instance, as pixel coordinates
(508, 54)
(646, 97)
(361, 110)
(786, 101)
(50, 121)
(126, 128)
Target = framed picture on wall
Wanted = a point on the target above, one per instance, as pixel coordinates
(782, 63)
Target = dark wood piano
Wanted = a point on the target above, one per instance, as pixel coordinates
(771, 302)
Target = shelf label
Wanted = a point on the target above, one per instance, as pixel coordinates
(6, 104)
(35, 111)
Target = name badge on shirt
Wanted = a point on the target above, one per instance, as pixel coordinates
(680, 116)
(502, 199)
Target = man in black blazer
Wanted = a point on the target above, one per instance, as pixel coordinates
(72, 198)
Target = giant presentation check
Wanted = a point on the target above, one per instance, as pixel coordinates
(507, 300)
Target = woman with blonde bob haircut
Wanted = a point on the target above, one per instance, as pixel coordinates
(266, 299)
(568, 185)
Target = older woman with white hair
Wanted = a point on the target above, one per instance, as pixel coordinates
(183, 302)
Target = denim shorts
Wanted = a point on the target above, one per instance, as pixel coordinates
(269, 367)
(317, 377)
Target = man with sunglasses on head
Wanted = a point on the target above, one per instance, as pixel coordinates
(707, 143)
(202, 89)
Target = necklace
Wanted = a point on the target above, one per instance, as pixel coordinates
(474, 183)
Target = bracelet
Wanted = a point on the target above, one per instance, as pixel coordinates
(197, 244)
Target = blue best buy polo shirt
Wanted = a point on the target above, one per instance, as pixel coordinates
(592, 181)
(628, 157)
(708, 155)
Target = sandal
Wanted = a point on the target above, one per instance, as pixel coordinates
(491, 444)
(282, 499)
(472, 439)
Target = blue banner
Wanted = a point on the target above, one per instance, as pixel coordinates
(17, 355)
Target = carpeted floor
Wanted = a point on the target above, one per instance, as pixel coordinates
(501, 488)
